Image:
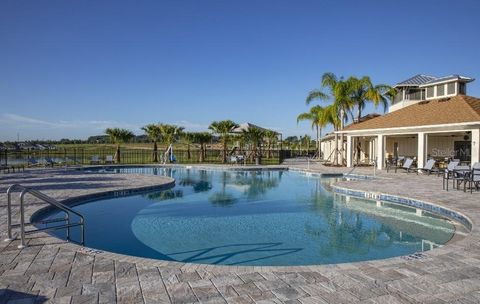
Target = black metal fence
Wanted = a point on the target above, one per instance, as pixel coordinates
(85, 156)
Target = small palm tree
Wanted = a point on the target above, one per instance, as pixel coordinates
(271, 137)
(223, 128)
(153, 133)
(188, 138)
(202, 138)
(170, 134)
(118, 136)
(319, 118)
(254, 136)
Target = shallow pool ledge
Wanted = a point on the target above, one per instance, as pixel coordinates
(401, 200)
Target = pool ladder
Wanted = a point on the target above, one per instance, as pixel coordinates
(49, 200)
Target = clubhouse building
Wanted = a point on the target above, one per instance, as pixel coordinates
(430, 117)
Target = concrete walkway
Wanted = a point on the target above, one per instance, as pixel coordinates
(52, 271)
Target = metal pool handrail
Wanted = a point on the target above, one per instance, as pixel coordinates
(47, 199)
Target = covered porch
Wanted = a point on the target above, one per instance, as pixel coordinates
(419, 143)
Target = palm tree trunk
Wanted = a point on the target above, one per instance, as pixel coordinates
(224, 150)
(342, 117)
(201, 156)
(117, 154)
(320, 144)
(318, 141)
(335, 157)
(188, 151)
(155, 152)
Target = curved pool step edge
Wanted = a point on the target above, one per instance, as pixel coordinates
(453, 215)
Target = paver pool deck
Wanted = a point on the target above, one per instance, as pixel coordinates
(50, 270)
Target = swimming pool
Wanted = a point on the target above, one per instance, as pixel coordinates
(273, 217)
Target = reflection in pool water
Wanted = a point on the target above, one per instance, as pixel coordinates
(256, 218)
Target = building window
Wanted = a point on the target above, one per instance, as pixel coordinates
(440, 90)
(461, 88)
(430, 92)
(451, 88)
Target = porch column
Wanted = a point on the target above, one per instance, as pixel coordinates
(475, 149)
(422, 148)
(350, 151)
(380, 151)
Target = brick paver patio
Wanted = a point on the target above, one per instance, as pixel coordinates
(52, 271)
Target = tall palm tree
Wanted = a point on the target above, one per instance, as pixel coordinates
(340, 91)
(202, 138)
(363, 91)
(170, 134)
(254, 136)
(118, 136)
(154, 134)
(223, 128)
(319, 118)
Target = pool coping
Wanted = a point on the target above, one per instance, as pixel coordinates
(182, 265)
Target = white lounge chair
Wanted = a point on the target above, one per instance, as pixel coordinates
(32, 162)
(95, 160)
(429, 167)
(407, 165)
(109, 159)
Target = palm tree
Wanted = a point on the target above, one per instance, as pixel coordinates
(118, 136)
(319, 118)
(340, 90)
(202, 138)
(170, 134)
(271, 137)
(364, 91)
(305, 141)
(223, 128)
(255, 137)
(188, 138)
(153, 133)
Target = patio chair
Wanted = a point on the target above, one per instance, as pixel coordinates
(49, 161)
(407, 165)
(473, 180)
(5, 168)
(95, 160)
(394, 163)
(448, 173)
(32, 162)
(429, 167)
(233, 159)
(459, 175)
(109, 159)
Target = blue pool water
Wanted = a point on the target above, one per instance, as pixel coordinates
(256, 218)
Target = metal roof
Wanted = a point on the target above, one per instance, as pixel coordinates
(416, 80)
(422, 80)
(449, 77)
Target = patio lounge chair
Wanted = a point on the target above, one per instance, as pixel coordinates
(407, 165)
(49, 161)
(109, 159)
(32, 162)
(95, 160)
(429, 167)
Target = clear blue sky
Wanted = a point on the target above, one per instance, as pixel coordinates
(72, 68)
